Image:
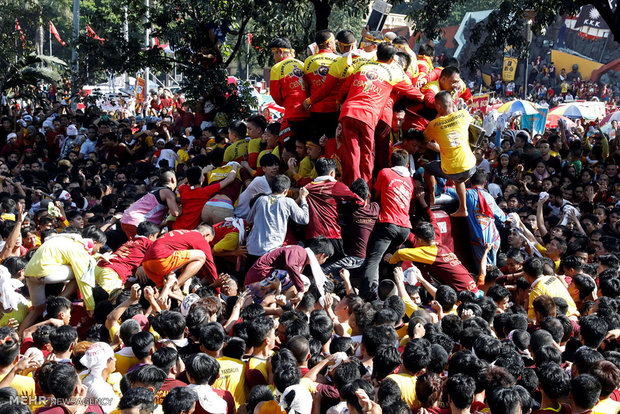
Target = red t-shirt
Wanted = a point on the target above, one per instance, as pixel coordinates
(292, 259)
(323, 200)
(128, 257)
(178, 240)
(396, 192)
(193, 200)
(369, 88)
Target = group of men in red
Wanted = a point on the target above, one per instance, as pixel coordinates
(357, 89)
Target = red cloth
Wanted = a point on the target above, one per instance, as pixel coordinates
(287, 88)
(395, 192)
(182, 240)
(193, 200)
(358, 150)
(316, 68)
(323, 200)
(169, 384)
(128, 257)
(369, 88)
(359, 224)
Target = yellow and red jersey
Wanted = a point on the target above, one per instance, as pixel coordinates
(287, 88)
(316, 68)
(425, 64)
(342, 68)
(369, 88)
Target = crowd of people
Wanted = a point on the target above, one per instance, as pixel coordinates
(308, 266)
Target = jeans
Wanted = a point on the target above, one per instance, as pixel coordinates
(348, 262)
(384, 237)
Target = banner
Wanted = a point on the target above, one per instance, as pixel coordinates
(91, 33)
(55, 33)
(479, 102)
(19, 30)
(589, 16)
(140, 90)
(509, 69)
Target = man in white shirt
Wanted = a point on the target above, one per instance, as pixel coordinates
(259, 185)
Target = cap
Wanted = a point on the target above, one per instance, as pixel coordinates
(163, 141)
(48, 124)
(11, 136)
(27, 118)
(72, 130)
(97, 355)
(142, 320)
(187, 303)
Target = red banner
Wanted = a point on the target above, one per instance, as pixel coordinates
(18, 29)
(140, 90)
(55, 33)
(479, 102)
(91, 33)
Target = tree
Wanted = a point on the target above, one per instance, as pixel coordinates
(29, 70)
(506, 25)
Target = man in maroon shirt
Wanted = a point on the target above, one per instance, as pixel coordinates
(187, 249)
(358, 224)
(394, 188)
(324, 196)
(292, 260)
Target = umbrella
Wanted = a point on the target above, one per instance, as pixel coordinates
(573, 111)
(525, 107)
(552, 121)
(614, 116)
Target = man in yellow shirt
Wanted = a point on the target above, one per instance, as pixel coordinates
(450, 134)
(238, 149)
(416, 357)
(232, 371)
(545, 285)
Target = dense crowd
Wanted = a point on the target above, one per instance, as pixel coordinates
(161, 264)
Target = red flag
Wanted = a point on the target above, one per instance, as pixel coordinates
(18, 28)
(156, 41)
(55, 33)
(91, 33)
(249, 38)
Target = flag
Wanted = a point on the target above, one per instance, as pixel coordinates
(91, 33)
(250, 38)
(18, 29)
(55, 33)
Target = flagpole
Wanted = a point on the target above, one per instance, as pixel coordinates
(50, 39)
(74, 55)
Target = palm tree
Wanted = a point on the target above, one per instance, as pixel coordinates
(28, 70)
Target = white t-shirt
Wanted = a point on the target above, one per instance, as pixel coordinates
(259, 185)
(170, 155)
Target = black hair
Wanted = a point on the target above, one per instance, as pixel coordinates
(142, 343)
(169, 324)
(259, 394)
(446, 296)
(203, 369)
(269, 160)
(286, 375)
(324, 166)
(385, 52)
(592, 330)
(385, 361)
(258, 329)
(165, 358)
(461, 390)
(585, 391)
(321, 326)
(399, 158)
(533, 266)
(239, 128)
(147, 228)
(360, 187)
(139, 397)
(149, 376)
(425, 231)
(584, 358)
(93, 232)
(426, 50)
(56, 304)
(179, 400)
(62, 337)
(321, 245)
(375, 336)
(62, 381)
(280, 43)
(9, 348)
(417, 355)
(348, 391)
(504, 400)
(212, 336)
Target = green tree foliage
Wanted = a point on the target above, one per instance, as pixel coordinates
(506, 24)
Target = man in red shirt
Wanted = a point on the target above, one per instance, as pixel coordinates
(324, 114)
(324, 196)
(113, 273)
(368, 90)
(187, 249)
(287, 87)
(193, 197)
(394, 187)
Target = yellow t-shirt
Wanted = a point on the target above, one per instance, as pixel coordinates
(232, 379)
(237, 151)
(451, 133)
(19, 314)
(606, 406)
(183, 156)
(124, 362)
(406, 383)
(275, 151)
(306, 168)
(25, 388)
(551, 286)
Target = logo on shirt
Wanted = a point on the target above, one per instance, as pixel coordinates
(323, 70)
(297, 72)
(372, 75)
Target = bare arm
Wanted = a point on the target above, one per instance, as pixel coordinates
(171, 201)
(115, 315)
(11, 241)
(540, 220)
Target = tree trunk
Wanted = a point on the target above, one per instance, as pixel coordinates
(611, 17)
(240, 37)
(40, 40)
(322, 10)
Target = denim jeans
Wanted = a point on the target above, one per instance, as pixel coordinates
(385, 237)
